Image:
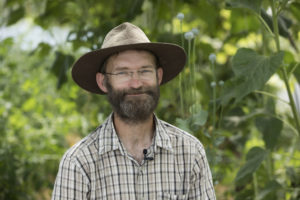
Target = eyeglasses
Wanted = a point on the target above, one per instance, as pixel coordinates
(143, 74)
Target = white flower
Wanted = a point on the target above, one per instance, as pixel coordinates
(213, 84)
(221, 83)
(189, 35)
(89, 34)
(212, 57)
(195, 31)
(180, 16)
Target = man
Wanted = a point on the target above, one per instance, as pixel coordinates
(133, 154)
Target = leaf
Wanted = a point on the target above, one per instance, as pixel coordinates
(183, 124)
(254, 158)
(270, 188)
(271, 128)
(249, 4)
(294, 8)
(42, 50)
(252, 71)
(297, 72)
(283, 23)
(16, 15)
(60, 66)
(194, 122)
(200, 118)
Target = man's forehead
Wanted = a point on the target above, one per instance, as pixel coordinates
(127, 53)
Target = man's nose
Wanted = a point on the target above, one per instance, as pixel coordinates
(135, 80)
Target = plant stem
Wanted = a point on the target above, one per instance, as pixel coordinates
(180, 77)
(181, 95)
(270, 165)
(271, 95)
(214, 94)
(275, 25)
(255, 186)
(265, 24)
(182, 38)
(292, 102)
(194, 62)
(191, 71)
(285, 76)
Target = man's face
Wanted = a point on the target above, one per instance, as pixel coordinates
(132, 83)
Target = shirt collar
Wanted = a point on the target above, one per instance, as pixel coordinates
(162, 138)
(109, 140)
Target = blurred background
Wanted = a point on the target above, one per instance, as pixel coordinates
(239, 92)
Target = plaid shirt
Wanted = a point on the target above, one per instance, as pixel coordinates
(98, 167)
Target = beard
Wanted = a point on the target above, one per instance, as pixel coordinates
(133, 109)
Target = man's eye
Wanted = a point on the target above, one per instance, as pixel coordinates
(146, 71)
(122, 73)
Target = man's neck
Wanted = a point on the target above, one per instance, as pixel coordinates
(135, 136)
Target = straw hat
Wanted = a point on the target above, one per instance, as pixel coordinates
(126, 36)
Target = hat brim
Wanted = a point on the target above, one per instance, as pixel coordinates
(171, 57)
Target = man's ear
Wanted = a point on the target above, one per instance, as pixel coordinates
(101, 82)
(160, 73)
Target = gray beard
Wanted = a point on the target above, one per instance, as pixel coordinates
(136, 109)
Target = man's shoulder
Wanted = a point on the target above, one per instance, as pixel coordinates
(86, 147)
(176, 133)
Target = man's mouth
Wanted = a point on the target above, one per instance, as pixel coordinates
(135, 94)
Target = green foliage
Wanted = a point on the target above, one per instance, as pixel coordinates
(60, 67)
(249, 4)
(254, 158)
(252, 143)
(271, 129)
(251, 71)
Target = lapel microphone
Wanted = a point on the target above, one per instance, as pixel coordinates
(145, 155)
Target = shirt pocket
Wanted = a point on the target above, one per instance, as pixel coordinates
(168, 196)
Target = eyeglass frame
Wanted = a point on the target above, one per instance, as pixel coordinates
(145, 74)
(102, 69)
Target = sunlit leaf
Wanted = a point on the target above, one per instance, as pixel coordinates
(271, 128)
(29, 104)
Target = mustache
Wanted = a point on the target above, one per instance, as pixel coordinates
(148, 91)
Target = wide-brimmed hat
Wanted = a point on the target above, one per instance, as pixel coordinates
(171, 57)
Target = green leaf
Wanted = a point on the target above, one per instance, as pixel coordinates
(297, 72)
(42, 49)
(183, 124)
(293, 175)
(270, 188)
(60, 66)
(249, 4)
(283, 23)
(271, 128)
(200, 118)
(252, 71)
(16, 15)
(294, 8)
(254, 158)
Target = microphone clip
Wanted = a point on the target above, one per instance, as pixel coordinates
(145, 155)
